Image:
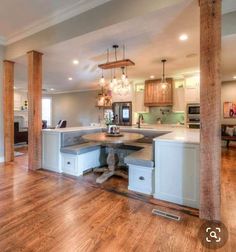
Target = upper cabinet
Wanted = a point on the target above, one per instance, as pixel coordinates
(138, 105)
(179, 96)
(192, 89)
(156, 95)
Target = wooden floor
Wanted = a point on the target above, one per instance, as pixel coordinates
(42, 211)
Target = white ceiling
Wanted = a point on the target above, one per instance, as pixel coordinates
(21, 18)
(148, 39)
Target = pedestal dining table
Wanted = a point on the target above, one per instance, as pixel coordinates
(112, 142)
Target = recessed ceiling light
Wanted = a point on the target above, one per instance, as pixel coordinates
(183, 37)
(75, 62)
(70, 78)
(152, 76)
(234, 77)
(14, 87)
(52, 89)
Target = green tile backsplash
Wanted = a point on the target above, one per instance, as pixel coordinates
(168, 117)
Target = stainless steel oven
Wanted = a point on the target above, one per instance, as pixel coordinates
(193, 115)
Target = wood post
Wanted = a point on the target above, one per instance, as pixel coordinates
(8, 109)
(210, 98)
(35, 109)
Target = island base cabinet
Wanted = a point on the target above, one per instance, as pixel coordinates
(141, 179)
(177, 173)
(77, 164)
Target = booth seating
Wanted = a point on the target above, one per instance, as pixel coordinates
(141, 170)
(78, 155)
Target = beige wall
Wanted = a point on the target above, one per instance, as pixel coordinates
(77, 108)
(1, 102)
(228, 94)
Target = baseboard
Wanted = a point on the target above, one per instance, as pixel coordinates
(1, 159)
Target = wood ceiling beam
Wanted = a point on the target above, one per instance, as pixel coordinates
(8, 110)
(210, 100)
(34, 109)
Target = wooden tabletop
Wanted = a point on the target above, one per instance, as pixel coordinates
(103, 138)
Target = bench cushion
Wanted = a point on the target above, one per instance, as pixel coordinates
(81, 148)
(143, 157)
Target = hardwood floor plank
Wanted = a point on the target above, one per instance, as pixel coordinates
(44, 211)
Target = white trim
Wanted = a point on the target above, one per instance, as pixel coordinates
(58, 17)
(2, 159)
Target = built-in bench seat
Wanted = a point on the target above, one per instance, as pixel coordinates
(81, 148)
(141, 170)
(143, 157)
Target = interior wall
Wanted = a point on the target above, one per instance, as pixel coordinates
(2, 52)
(78, 109)
(228, 94)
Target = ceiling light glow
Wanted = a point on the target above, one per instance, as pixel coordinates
(234, 77)
(70, 78)
(183, 37)
(152, 76)
(75, 62)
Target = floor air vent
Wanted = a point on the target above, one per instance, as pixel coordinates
(166, 215)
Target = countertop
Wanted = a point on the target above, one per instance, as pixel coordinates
(176, 133)
(72, 129)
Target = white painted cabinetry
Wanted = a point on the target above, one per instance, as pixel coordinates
(76, 164)
(177, 172)
(141, 179)
(138, 101)
(192, 90)
(51, 154)
(179, 96)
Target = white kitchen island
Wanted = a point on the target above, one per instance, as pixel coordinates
(167, 168)
(177, 167)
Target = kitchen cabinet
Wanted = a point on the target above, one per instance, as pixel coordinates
(138, 106)
(177, 172)
(155, 95)
(192, 90)
(179, 96)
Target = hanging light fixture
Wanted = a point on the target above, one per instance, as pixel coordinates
(164, 83)
(122, 84)
(102, 81)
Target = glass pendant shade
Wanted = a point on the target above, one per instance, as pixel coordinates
(102, 81)
(123, 77)
(114, 81)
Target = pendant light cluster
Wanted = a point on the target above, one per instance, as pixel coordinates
(122, 85)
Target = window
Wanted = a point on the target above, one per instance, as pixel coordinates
(47, 110)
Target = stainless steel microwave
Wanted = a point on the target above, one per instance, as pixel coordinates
(193, 109)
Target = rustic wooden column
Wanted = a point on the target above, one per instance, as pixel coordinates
(8, 109)
(210, 98)
(34, 109)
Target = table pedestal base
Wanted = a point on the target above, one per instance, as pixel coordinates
(112, 161)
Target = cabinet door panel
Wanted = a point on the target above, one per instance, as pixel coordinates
(155, 95)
